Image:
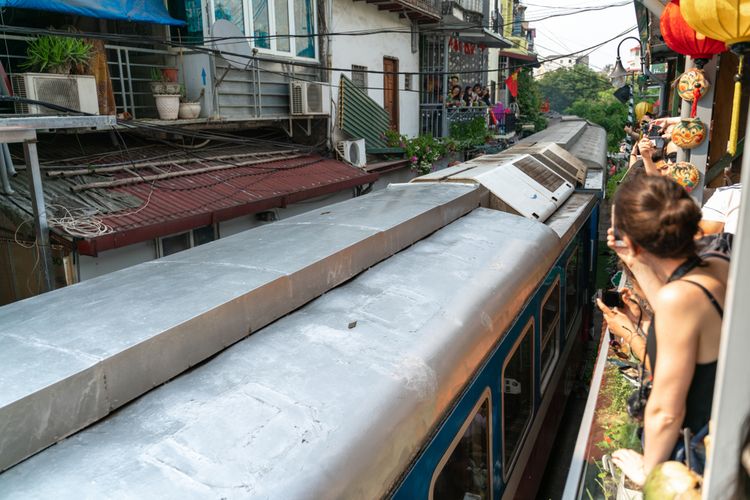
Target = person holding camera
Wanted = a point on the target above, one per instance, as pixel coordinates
(654, 222)
(628, 318)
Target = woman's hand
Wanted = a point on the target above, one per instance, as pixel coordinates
(626, 253)
(618, 322)
(631, 464)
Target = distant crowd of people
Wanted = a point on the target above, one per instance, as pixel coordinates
(477, 95)
(675, 255)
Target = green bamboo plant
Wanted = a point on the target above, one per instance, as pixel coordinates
(57, 54)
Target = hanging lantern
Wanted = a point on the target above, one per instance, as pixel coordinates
(641, 109)
(723, 20)
(685, 174)
(691, 86)
(680, 37)
(728, 22)
(689, 133)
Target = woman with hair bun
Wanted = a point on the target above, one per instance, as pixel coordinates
(654, 222)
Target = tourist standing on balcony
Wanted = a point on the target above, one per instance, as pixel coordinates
(467, 97)
(454, 99)
(654, 226)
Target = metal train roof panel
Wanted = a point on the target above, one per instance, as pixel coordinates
(591, 147)
(556, 158)
(286, 413)
(563, 133)
(73, 355)
(518, 182)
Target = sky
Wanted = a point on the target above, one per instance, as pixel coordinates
(566, 34)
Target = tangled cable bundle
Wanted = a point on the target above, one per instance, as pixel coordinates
(78, 222)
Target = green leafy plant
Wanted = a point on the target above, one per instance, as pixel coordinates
(57, 54)
(469, 134)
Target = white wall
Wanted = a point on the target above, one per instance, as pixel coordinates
(115, 259)
(369, 51)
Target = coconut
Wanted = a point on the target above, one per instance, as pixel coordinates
(672, 481)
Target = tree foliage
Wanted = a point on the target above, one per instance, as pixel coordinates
(603, 109)
(529, 100)
(564, 86)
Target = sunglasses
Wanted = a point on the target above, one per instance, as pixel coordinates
(671, 158)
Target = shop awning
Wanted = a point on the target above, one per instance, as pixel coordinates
(148, 11)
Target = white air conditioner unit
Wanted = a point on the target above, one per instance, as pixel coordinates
(76, 92)
(353, 152)
(306, 98)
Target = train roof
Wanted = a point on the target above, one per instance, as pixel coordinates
(370, 366)
(388, 342)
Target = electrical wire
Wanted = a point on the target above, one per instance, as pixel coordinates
(213, 40)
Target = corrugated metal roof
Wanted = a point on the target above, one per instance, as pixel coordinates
(149, 207)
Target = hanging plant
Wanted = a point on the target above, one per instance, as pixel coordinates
(57, 54)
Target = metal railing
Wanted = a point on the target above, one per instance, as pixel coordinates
(431, 119)
(130, 72)
(472, 5)
(432, 6)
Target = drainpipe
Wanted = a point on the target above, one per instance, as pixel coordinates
(4, 171)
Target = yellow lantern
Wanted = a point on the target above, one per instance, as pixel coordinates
(727, 21)
(641, 109)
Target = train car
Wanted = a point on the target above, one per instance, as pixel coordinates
(416, 342)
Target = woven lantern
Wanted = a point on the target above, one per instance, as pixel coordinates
(680, 37)
(727, 21)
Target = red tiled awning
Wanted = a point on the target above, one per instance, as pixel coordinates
(182, 203)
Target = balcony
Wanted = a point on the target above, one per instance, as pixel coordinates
(421, 11)
(259, 92)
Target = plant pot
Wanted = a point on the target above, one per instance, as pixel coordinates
(168, 106)
(170, 74)
(189, 110)
(158, 88)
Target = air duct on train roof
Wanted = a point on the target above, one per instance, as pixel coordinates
(517, 183)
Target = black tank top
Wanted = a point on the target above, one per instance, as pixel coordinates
(701, 392)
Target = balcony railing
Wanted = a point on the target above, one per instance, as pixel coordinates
(418, 10)
(130, 71)
(431, 119)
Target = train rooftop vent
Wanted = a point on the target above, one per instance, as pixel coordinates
(556, 158)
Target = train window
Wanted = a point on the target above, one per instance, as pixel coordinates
(518, 395)
(571, 289)
(465, 470)
(549, 326)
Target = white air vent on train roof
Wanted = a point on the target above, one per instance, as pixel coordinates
(518, 183)
(555, 158)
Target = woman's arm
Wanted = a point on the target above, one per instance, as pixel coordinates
(677, 335)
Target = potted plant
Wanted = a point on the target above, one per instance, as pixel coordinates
(166, 95)
(57, 54)
(189, 110)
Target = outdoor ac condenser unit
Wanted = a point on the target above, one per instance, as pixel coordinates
(306, 98)
(353, 152)
(76, 92)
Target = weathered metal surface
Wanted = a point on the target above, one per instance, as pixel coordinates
(563, 133)
(568, 219)
(71, 356)
(58, 122)
(591, 147)
(332, 401)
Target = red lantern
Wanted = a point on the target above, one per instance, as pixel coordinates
(683, 39)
